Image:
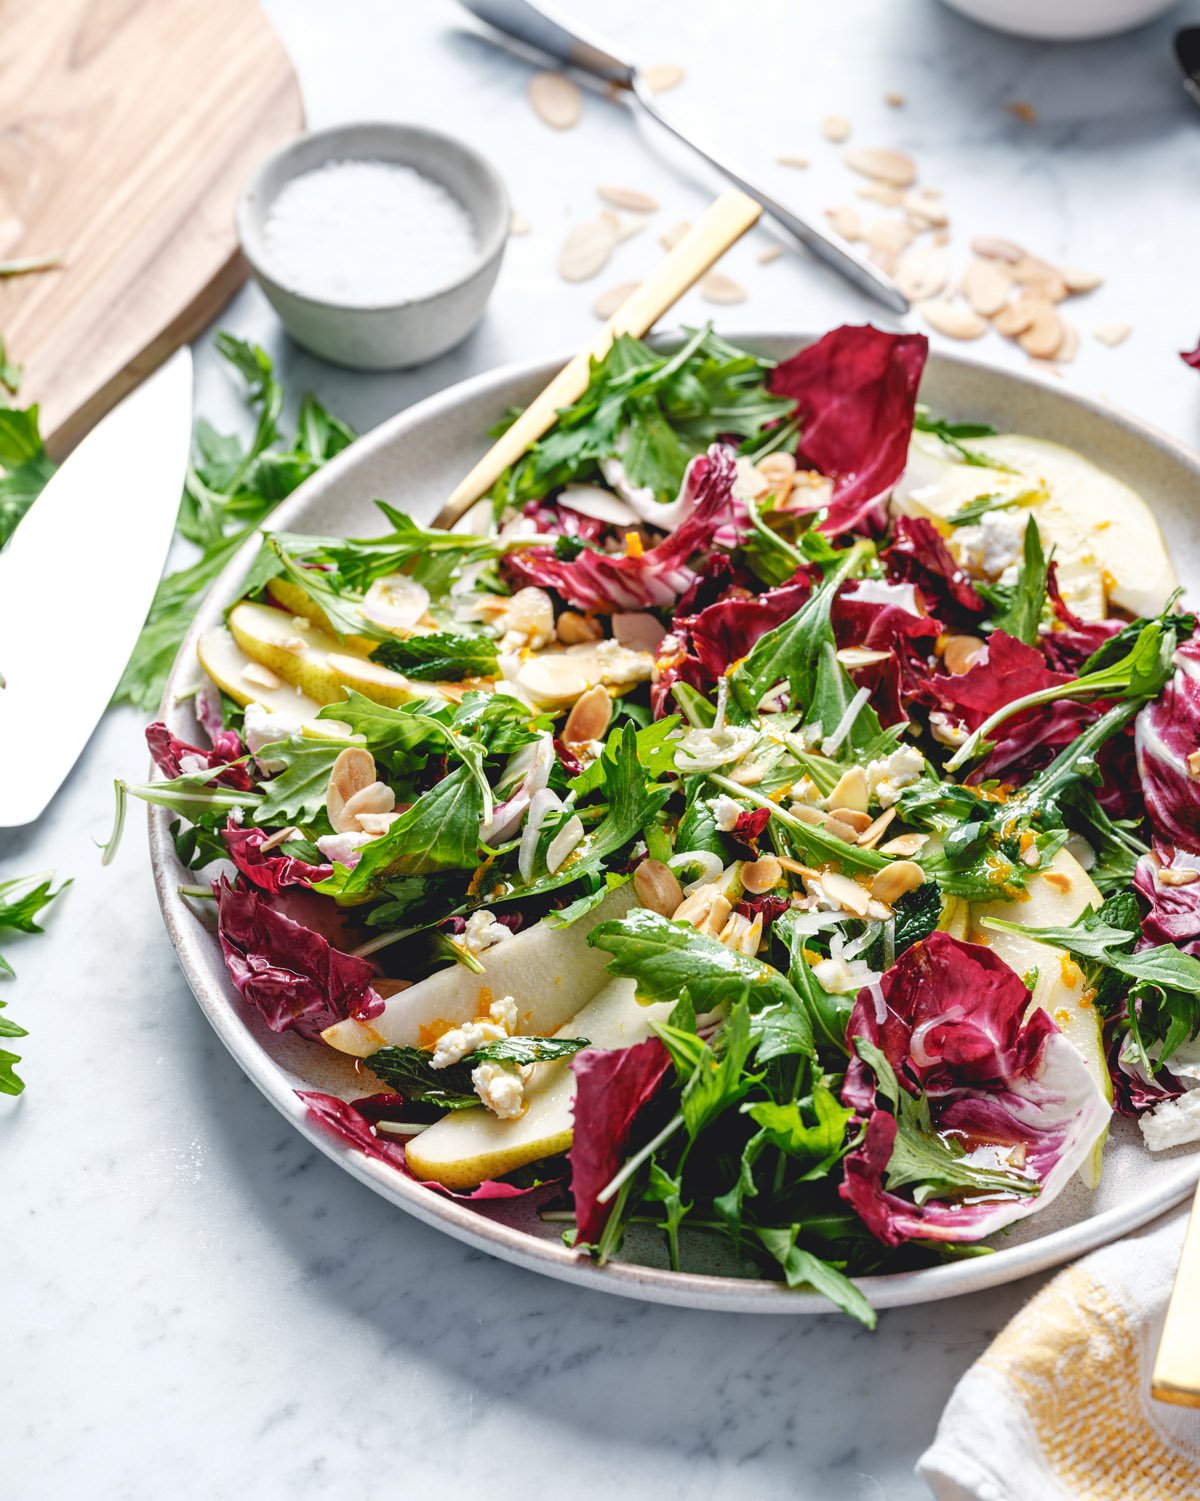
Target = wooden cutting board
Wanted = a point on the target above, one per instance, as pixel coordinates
(126, 130)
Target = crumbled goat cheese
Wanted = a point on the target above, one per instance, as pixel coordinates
(888, 776)
(726, 812)
(1173, 1123)
(994, 544)
(340, 847)
(483, 932)
(264, 728)
(501, 1087)
(454, 1044)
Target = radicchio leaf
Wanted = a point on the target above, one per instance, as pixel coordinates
(950, 1020)
(1174, 915)
(295, 978)
(1167, 732)
(612, 1085)
(655, 578)
(170, 753)
(917, 555)
(351, 1123)
(883, 617)
(855, 392)
(273, 870)
(1191, 357)
(1071, 641)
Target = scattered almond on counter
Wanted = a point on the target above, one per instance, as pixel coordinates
(608, 302)
(883, 164)
(556, 99)
(769, 253)
(897, 101)
(586, 250)
(662, 77)
(719, 288)
(625, 226)
(1113, 334)
(1023, 110)
(845, 221)
(518, 224)
(954, 319)
(790, 159)
(922, 272)
(628, 198)
(986, 285)
(835, 128)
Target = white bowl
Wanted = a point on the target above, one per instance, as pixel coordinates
(1062, 20)
(397, 334)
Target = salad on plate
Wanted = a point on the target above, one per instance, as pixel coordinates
(773, 814)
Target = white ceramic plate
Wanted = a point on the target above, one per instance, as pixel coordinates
(414, 461)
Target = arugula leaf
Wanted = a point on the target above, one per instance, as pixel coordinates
(22, 899)
(385, 731)
(697, 828)
(719, 1079)
(801, 1267)
(25, 467)
(1024, 613)
(786, 1128)
(653, 747)
(1095, 939)
(665, 958)
(953, 434)
(10, 1081)
(444, 655)
(297, 793)
(662, 1188)
(410, 1073)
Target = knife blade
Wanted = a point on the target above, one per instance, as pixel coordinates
(77, 579)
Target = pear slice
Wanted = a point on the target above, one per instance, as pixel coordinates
(225, 663)
(1054, 898)
(467, 1146)
(380, 683)
(289, 596)
(294, 651)
(551, 973)
(1107, 543)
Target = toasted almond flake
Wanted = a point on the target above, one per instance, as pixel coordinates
(661, 77)
(848, 894)
(845, 221)
(518, 224)
(1076, 279)
(1015, 317)
(625, 226)
(883, 164)
(630, 198)
(904, 844)
(1113, 334)
(861, 656)
(1193, 763)
(1185, 877)
(1023, 110)
(993, 248)
(608, 302)
(1044, 335)
(1069, 347)
(886, 238)
(280, 836)
(881, 192)
(875, 831)
(897, 101)
(586, 250)
(922, 272)
(1040, 277)
(259, 676)
(925, 217)
(769, 253)
(835, 128)
(556, 100)
(792, 159)
(986, 285)
(717, 287)
(954, 319)
(671, 237)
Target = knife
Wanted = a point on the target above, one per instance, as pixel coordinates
(539, 27)
(77, 580)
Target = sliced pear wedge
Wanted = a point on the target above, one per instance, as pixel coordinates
(382, 684)
(550, 972)
(467, 1146)
(1054, 898)
(226, 663)
(289, 596)
(1107, 543)
(294, 651)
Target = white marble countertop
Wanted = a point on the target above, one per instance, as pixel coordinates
(197, 1304)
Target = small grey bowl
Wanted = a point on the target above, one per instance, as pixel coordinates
(393, 335)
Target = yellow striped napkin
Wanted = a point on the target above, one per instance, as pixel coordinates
(1059, 1407)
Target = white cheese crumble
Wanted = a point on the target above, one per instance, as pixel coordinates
(726, 812)
(263, 728)
(994, 544)
(889, 775)
(483, 932)
(454, 1045)
(339, 847)
(501, 1087)
(1173, 1123)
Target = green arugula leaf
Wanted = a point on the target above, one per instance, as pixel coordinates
(662, 1188)
(444, 655)
(653, 747)
(1096, 940)
(22, 900)
(1023, 615)
(801, 1267)
(954, 434)
(719, 1080)
(297, 793)
(786, 1128)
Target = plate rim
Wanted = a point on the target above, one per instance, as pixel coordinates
(702, 1291)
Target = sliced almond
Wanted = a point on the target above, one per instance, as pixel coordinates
(518, 224)
(1041, 278)
(922, 272)
(625, 226)
(904, 844)
(852, 818)
(778, 472)
(661, 77)
(874, 832)
(259, 676)
(845, 221)
(630, 198)
(894, 880)
(658, 888)
(848, 894)
(986, 285)
(886, 238)
(895, 101)
(840, 829)
(792, 159)
(960, 653)
(608, 302)
(1168, 877)
(954, 319)
(1113, 334)
(586, 250)
(994, 248)
(1023, 110)
(861, 656)
(1019, 315)
(671, 237)
(556, 99)
(881, 192)
(589, 718)
(852, 790)
(1044, 335)
(883, 164)
(835, 128)
(762, 874)
(719, 288)
(1076, 279)
(1069, 347)
(768, 254)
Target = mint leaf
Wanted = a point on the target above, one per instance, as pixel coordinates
(443, 656)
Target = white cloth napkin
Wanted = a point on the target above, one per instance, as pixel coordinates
(1059, 1408)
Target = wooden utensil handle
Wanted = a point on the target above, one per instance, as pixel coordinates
(723, 223)
(1177, 1368)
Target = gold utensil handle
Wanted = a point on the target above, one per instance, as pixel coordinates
(1177, 1368)
(725, 221)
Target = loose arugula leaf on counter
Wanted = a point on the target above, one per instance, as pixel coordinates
(25, 466)
(443, 656)
(229, 491)
(22, 899)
